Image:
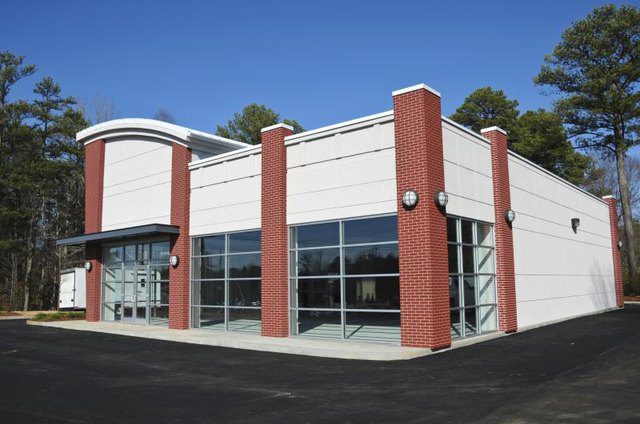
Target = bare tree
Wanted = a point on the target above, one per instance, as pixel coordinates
(97, 109)
(164, 115)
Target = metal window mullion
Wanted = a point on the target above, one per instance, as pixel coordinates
(226, 282)
(342, 288)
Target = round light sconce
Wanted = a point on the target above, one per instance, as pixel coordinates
(441, 198)
(174, 260)
(575, 224)
(510, 216)
(619, 244)
(87, 265)
(410, 199)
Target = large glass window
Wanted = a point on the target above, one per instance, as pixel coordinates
(344, 279)
(225, 282)
(472, 280)
(135, 283)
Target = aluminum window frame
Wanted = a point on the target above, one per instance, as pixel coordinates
(225, 307)
(342, 276)
(460, 275)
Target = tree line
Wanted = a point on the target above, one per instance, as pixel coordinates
(585, 138)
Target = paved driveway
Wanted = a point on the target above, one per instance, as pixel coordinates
(584, 370)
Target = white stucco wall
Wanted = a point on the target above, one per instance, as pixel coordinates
(559, 273)
(340, 175)
(467, 174)
(137, 182)
(225, 195)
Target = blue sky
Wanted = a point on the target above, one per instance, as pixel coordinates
(318, 62)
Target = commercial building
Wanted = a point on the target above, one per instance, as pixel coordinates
(400, 227)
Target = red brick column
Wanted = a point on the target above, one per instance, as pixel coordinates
(615, 250)
(275, 274)
(505, 265)
(179, 279)
(422, 231)
(93, 189)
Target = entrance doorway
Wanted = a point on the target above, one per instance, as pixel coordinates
(135, 283)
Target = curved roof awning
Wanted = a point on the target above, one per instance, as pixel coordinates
(161, 130)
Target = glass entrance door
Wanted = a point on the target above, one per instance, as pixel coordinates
(136, 294)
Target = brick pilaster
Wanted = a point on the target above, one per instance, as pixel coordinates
(275, 276)
(615, 250)
(422, 231)
(505, 265)
(179, 281)
(93, 190)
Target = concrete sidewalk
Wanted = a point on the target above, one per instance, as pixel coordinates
(290, 345)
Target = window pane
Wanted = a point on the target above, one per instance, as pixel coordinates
(111, 311)
(371, 230)
(318, 262)
(485, 260)
(467, 259)
(113, 255)
(470, 322)
(211, 267)
(318, 235)
(244, 266)
(158, 272)
(113, 274)
(452, 230)
(244, 293)
(212, 318)
(467, 231)
(456, 330)
(142, 252)
(380, 259)
(485, 237)
(158, 314)
(488, 318)
(453, 258)
(209, 292)
(486, 288)
(159, 293)
(378, 326)
(244, 242)
(160, 252)
(469, 290)
(372, 293)
(246, 320)
(212, 245)
(454, 291)
(130, 253)
(112, 291)
(319, 293)
(319, 324)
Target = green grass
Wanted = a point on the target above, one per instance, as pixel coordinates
(58, 316)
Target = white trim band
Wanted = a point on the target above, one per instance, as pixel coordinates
(494, 128)
(414, 88)
(280, 125)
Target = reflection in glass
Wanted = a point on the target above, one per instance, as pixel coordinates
(317, 235)
(248, 241)
(318, 262)
(244, 266)
(244, 293)
(372, 293)
(319, 324)
(383, 327)
(371, 230)
(378, 259)
(208, 268)
(247, 320)
(319, 293)
(212, 245)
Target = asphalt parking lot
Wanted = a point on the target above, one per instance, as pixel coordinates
(583, 370)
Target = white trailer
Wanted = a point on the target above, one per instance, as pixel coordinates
(72, 293)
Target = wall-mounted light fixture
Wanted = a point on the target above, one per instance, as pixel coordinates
(510, 216)
(87, 265)
(410, 199)
(441, 198)
(174, 260)
(575, 224)
(619, 244)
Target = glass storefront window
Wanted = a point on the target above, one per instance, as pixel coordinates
(225, 282)
(472, 289)
(345, 279)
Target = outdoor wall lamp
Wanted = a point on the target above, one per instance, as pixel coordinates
(174, 260)
(441, 198)
(619, 244)
(410, 199)
(510, 216)
(575, 224)
(87, 265)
